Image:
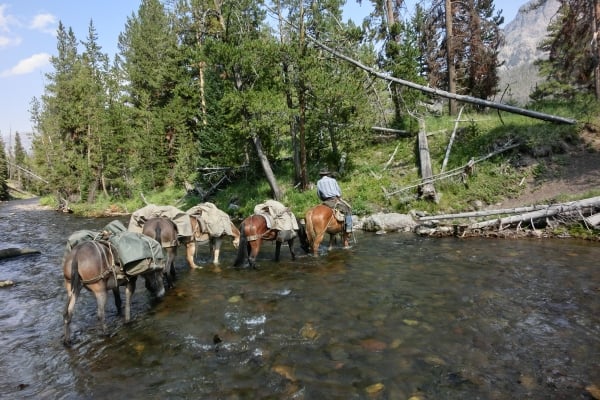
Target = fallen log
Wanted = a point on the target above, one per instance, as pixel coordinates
(593, 220)
(535, 215)
(15, 252)
(484, 213)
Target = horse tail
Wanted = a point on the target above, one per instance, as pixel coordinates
(310, 228)
(75, 278)
(242, 247)
(304, 244)
(157, 234)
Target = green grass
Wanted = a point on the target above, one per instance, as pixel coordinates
(383, 176)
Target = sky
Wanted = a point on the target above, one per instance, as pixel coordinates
(28, 39)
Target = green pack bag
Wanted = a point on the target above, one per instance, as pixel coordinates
(136, 252)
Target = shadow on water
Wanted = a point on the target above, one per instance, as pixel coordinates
(394, 317)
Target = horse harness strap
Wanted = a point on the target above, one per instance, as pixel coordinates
(112, 269)
(328, 222)
(265, 236)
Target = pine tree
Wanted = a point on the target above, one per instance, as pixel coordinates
(4, 194)
(570, 45)
(325, 97)
(98, 144)
(59, 144)
(148, 50)
(475, 39)
(20, 160)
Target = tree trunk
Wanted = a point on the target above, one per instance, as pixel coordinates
(427, 189)
(450, 57)
(484, 213)
(595, 47)
(266, 166)
(302, 107)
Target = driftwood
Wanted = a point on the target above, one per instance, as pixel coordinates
(483, 213)
(15, 252)
(526, 223)
(549, 211)
(593, 220)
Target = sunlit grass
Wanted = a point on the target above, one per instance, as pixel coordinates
(383, 174)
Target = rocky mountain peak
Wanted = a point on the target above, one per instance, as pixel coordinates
(522, 35)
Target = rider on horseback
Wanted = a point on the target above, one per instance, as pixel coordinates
(330, 194)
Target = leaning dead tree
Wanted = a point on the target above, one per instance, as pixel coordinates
(442, 93)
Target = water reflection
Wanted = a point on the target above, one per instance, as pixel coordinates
(394, 317)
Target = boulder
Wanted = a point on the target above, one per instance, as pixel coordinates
(388, 222)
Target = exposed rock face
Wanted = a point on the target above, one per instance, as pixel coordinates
(522, 37)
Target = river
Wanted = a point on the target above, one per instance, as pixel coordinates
(396, 317)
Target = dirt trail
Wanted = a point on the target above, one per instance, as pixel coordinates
(577, 172)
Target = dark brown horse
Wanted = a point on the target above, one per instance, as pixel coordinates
(213, 241)
(168, 240)
(321, 220)
(253, 231)
(91, 264)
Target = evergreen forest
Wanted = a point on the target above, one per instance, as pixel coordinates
(227, 99)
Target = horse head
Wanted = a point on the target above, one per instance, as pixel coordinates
(153, 281)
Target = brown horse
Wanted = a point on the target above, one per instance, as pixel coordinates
(321, 220)
(253, 231)
(91, 264)
(213, 241)
(167, 230)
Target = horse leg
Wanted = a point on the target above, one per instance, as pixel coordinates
(72, 294)
(129, 291)
(345, 239)
(317, 243)
(277, 249)
(101, 296)
(190, 251)
(216, 248)
(253, 248)
(169, 273)
(118, 302)
(291, 245)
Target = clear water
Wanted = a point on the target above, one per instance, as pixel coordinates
(394, 317)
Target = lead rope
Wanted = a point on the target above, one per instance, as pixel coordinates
(149, 243)
(113, 266)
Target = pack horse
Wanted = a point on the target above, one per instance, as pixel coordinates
(101, 262)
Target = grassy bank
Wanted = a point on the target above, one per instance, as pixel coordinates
(384, 174)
